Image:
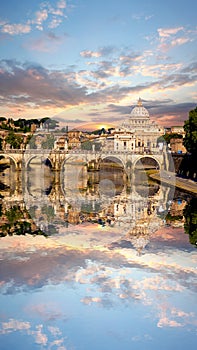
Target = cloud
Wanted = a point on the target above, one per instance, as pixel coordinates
(14, 325)
(15, 29)
(172, 37)
(39, 85)
(70, 121)
(29, 83)
(28, 86)
(141, 16)
(90, 54)
(168, 32)
(47, 16)
(55, 23)
(165, 322)
(54, 15)
(47, 42)
(179, 41)
(41, 16)
(101, 52)
(119, 109)
(61, 4)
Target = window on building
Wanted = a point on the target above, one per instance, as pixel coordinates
(125, 144)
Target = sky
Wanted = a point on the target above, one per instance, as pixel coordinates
(87, 62)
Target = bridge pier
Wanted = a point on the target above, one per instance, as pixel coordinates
(93, 165)
(56, 166)
(19, 166)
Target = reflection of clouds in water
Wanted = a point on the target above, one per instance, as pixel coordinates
(39, 333)
(51, 259)
(174, 317)
(109, 278)
(50, 311)
(14, 325)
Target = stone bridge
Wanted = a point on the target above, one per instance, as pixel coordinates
(57, 158)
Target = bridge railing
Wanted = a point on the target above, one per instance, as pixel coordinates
(77, 151)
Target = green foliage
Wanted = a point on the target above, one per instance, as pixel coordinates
(49, 123)
(190, 127)
(24, 125)
(20, 123)
(4, 126)
(64, 129)
(49, 212)
(99, 132)
(168, 137)
(13, 214)
(88, 145)
(190, 226)
(14, 140)
(170, 217)
(31, 142)
(49, 142)
(18, 222)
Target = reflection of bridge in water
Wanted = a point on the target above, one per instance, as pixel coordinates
(56, 158)
(74, 200)
(71, 200)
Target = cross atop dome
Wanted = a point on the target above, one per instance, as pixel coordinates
(139, 102)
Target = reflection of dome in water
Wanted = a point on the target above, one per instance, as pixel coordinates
(140, 237)
(139, 111)
(139, 243)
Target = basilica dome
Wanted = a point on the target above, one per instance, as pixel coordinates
(139, 111)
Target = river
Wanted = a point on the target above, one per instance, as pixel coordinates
(94, 260)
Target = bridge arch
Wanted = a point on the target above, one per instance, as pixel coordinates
(74, 159)
(148, 156)
(113, 158)
(41, 157)
(7, 156)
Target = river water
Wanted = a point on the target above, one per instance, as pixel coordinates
(92, 261)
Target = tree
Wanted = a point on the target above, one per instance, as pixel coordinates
(88, 145)
(190, 127)
(14, 140)
(168, 137)
(49, 123)
(99, 132)
(31, 142)
(49, 142)
(190, 225)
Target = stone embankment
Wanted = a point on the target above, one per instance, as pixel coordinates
(170, 179)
